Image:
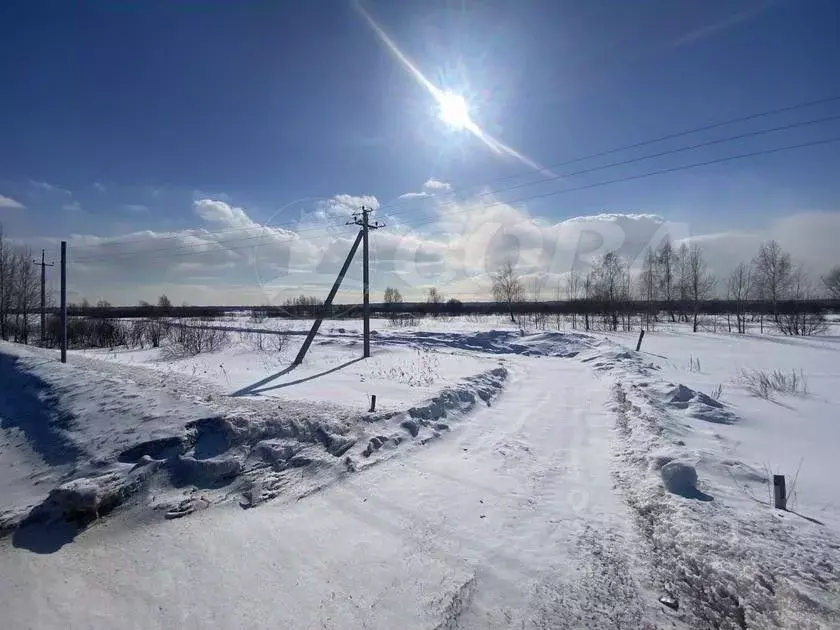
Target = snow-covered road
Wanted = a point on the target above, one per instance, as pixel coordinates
(509, 521)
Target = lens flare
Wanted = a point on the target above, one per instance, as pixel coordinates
(453, 108)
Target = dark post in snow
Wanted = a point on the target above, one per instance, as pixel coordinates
(44, 266)
(372, 403)
(779, 492)
(64, 301)
(639, 342)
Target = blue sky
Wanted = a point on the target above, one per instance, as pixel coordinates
(118, 116)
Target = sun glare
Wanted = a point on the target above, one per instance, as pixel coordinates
(454, 110)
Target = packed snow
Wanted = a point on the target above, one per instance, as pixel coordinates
(506, 478)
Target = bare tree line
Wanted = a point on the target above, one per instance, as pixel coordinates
(20, 291)
(676, 285)
(671, 284)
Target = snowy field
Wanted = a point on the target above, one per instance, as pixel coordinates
(507, 478)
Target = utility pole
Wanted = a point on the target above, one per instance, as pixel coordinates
(328, 302)
(44, 266)
(64, 301)
(363, 220)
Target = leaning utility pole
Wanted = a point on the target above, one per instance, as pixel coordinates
(44, 266)
(363, 220)
(328, 302)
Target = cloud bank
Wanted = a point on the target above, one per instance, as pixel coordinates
(229, 258)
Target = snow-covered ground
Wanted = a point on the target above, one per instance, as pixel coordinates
(506, 479)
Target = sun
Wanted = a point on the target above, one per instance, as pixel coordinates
(454, 110)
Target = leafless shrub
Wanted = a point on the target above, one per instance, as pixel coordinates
(763, 384)
(422, 370)
(717, 392)
(193, 340)
(693, 363)
(254, 340)
(156, 331)
(272, 342)
(402, 320)
(279, 341)
(137, 336)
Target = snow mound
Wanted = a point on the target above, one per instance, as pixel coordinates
(212, 459)
(700, 405)
(86, 499)
(80, 496)
(550, 344)
(679, 477)
(461, 398)
(203, 473)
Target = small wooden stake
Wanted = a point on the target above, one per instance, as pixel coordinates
(779, 492)
(641, 336)
(373, 402)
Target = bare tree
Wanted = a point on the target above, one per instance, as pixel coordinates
(19, 290)
(164, 303)
(537, 314)
(610, 287)
(665, 259)
(773, 274)
(507, 287)
(683, 281)
(588, 293)
(798, 318)
(392, 299)
(739, 290)
(648, 285)
(392, 296)
(701, 282)
(7, 267)
(573, 282)
(832, 283)
(434, 296)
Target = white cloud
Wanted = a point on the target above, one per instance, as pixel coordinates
(49, 188)
(436, 184)
(231, 259)
(216, 211)
(136, 207)
(810, 237)
(343, 206)
(414, 195)
(72, 206)
(99, 186)
(8, 202)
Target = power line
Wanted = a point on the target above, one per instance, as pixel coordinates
(651, 156)
(674, 169)
(643, 143)
(683, 133)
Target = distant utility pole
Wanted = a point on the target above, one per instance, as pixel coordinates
(44, 266)
(363, 220)
(64, 301)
